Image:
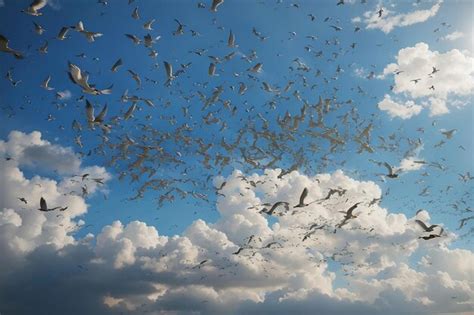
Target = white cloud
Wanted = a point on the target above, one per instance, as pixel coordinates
(453, 36)
(454, 80)
(132, 268)
(396, 109)
(390, 19)
(22, 226)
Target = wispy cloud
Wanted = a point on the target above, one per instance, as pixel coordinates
(391, 19)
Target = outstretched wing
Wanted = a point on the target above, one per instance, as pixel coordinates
(303, 195)
(422, 224)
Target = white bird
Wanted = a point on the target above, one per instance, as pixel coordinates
(90, 36)
(81, 79)
(148, 25)
(45, 84)
(215, 4)
(34, 7)
(169, 71)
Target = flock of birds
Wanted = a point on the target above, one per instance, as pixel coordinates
(289, 130)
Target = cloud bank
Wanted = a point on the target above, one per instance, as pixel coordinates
(375, 263)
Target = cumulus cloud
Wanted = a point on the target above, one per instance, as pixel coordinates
(442, 78)
(391, 19)
(22, 227)
(132, 268)
(396, 109)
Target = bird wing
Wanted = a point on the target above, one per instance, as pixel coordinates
(303, 195)
(89, 111)
(390, 170)
(43, 205)
(422, 224)
(101, 116)
(169, 70)
(351, 209)
(117, 64)
(3, 42)
(38, 4)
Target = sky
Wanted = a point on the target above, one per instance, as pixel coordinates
(168, 193)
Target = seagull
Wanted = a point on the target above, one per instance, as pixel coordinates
(45, 84)
(134, 38)
(135, 14)
(276, 205)
(44, 206)
(425, 227)
(148, 25)
(89, 35)
(301, 203)
(4, 48)
(231, 40)
(391, 172)
(180, 29)
(116, 65)
(135, 77)
(62, 35)
(380, 12)
(415, 80)
(449, 133)
(169, 71)
(336, 28)
(22, 199)
(215, 4)
(39, 29)
(81, 79)
(92, 119)
(257, 68)
(212, 69)
(44, 49)
(348, 215)
(34, 7)
(434, 71)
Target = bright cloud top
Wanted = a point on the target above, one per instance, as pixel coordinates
(429, 77)
(391, 19)
(242, 263)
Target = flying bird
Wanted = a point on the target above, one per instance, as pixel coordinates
(4, 48)
(34, 7)
(301, 203)
(215, 4)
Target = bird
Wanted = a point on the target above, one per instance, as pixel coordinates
(391, 172)
(415, 80)
(4, 48)
(215, 4)
(34, 7)
(348, 215)
(270, 211)
(303, 195)
(425, 227)
(45, 84)
(80, 78)
(148, 25)
(44, 207)
(449, 133)
(180, 29)
(22, 199)
(39, 29)
(169, 71)
(231, 40)
(62, 35)
(116, 65)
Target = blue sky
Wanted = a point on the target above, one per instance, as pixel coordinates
(26, 106)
